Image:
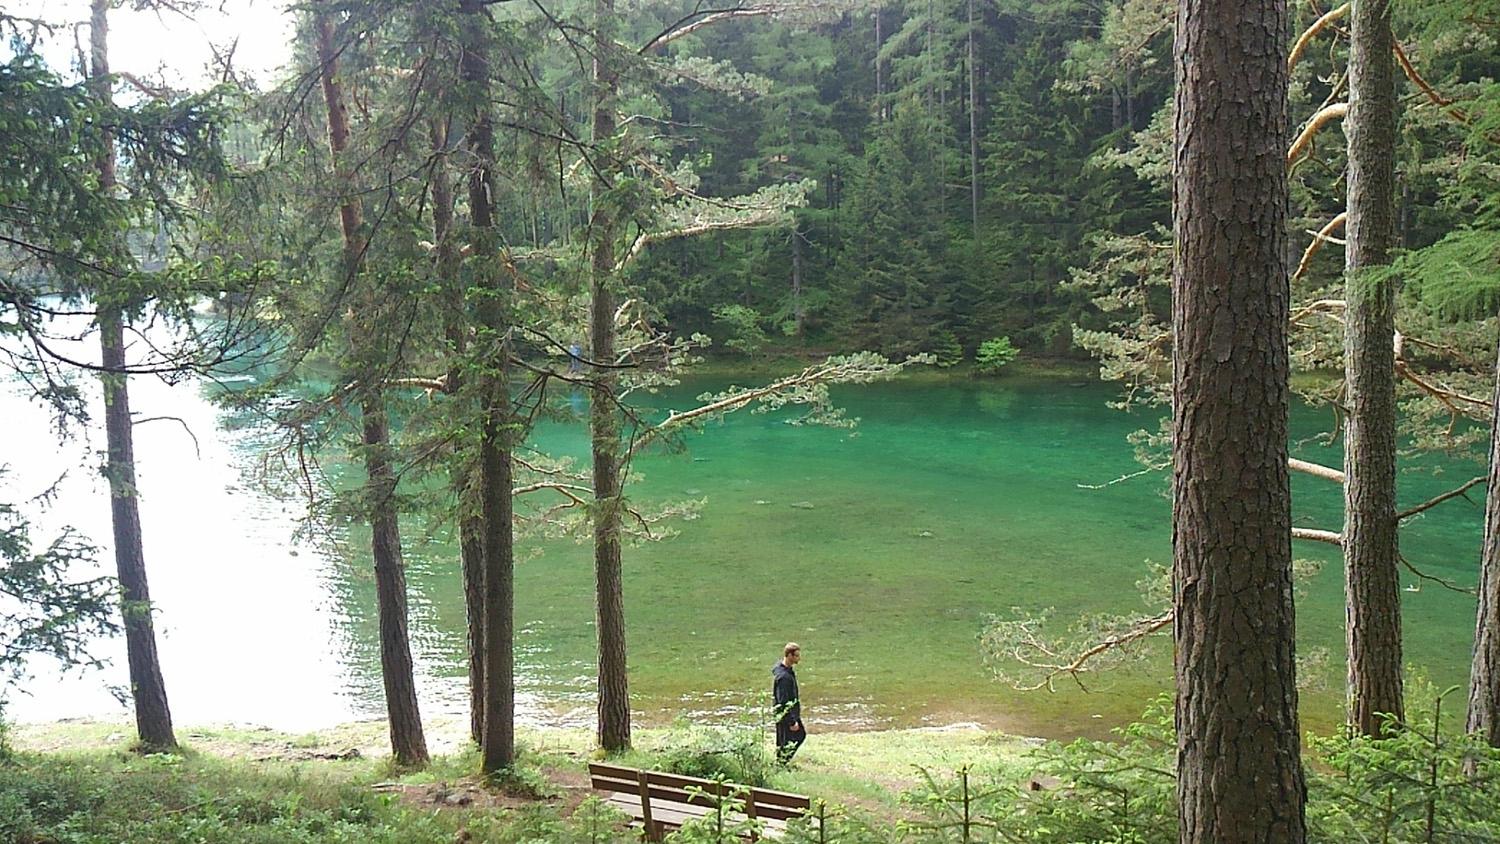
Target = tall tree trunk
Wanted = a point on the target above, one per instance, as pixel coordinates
(791, 142)
(1371, 576)
(496, 466)
(470, 527)
(408, 743)
(797, 312)
(973, 130)
(1484, 677)
(604, 424)
(1238, 750)
(153, 717)
(879, 64)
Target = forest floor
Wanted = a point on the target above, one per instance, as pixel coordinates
(234, 775)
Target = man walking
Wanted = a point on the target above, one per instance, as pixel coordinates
(788, 702)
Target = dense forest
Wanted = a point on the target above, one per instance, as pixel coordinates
(438, 223)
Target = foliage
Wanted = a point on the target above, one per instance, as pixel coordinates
(44, 609)
(945, 349)
(95, 801)
(1421, 783)
(734, 753)
(994, 354)
(741, 329)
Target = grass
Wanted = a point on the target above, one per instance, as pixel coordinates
(79, 782)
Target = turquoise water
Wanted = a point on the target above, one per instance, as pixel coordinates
(882, 550)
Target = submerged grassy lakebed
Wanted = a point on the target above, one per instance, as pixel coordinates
(882, 550)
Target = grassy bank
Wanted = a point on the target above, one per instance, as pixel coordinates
(80, 782)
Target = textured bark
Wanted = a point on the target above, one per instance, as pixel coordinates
(496, 466)
(1371, 577)
(1484, 677)
(604, 427)
(1238, 750)
(408, 742)
(470, 528)
(471, 556)
(153, 717)
(973, 129)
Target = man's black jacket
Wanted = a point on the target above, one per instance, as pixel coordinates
(784, 695)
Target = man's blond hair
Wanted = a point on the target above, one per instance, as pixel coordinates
(791, 648)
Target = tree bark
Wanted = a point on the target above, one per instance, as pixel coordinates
(1371, 576)
(471, 557)
(1238, 750)
(973, 130)
(148, 691)
(879, 65)
(408, 742)
(604, 423)
(1484, 677)
(470, 527)
(798, 314)
(496, 466)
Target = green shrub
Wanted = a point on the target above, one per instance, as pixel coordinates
(994, 355)
(945, 349)
(1422, 783)
(736, 754)
(740, 328)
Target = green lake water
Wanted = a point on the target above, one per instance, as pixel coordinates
(882, 550)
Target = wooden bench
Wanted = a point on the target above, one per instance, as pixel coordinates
(661, 803)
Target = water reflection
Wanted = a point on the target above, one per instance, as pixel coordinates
(882, 550)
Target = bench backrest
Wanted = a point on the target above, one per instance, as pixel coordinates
(673, 788)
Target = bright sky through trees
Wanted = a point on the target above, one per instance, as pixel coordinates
(172, 48)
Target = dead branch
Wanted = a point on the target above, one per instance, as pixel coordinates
(1416, 78)
(180, 421)
(1449, 397)
(1320, 237)
(431, 385)
(826, 372)
(765, 216)
(1314, 535)
(1337, 111)
(1447, 496)
(1312, 32)
(1327, 473)
(1320, 306)
(1079, 665)
(700, 18)
(1432, 578)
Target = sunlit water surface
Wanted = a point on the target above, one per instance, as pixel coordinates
(882, 549)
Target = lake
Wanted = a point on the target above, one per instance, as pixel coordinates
(883, 550)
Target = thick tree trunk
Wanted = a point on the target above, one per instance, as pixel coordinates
(1238, 750)
(973, 130)
(408, 743)
(153, 717)
(471, 556)
(1371, 576)
(604, 425)
(1484, 678)
(496, 466)
(470, 528)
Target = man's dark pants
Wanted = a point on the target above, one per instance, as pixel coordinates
(788, 740)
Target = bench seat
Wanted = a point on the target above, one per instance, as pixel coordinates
(660, 802)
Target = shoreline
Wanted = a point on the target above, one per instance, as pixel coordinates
(869, 768)
(446, 735)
